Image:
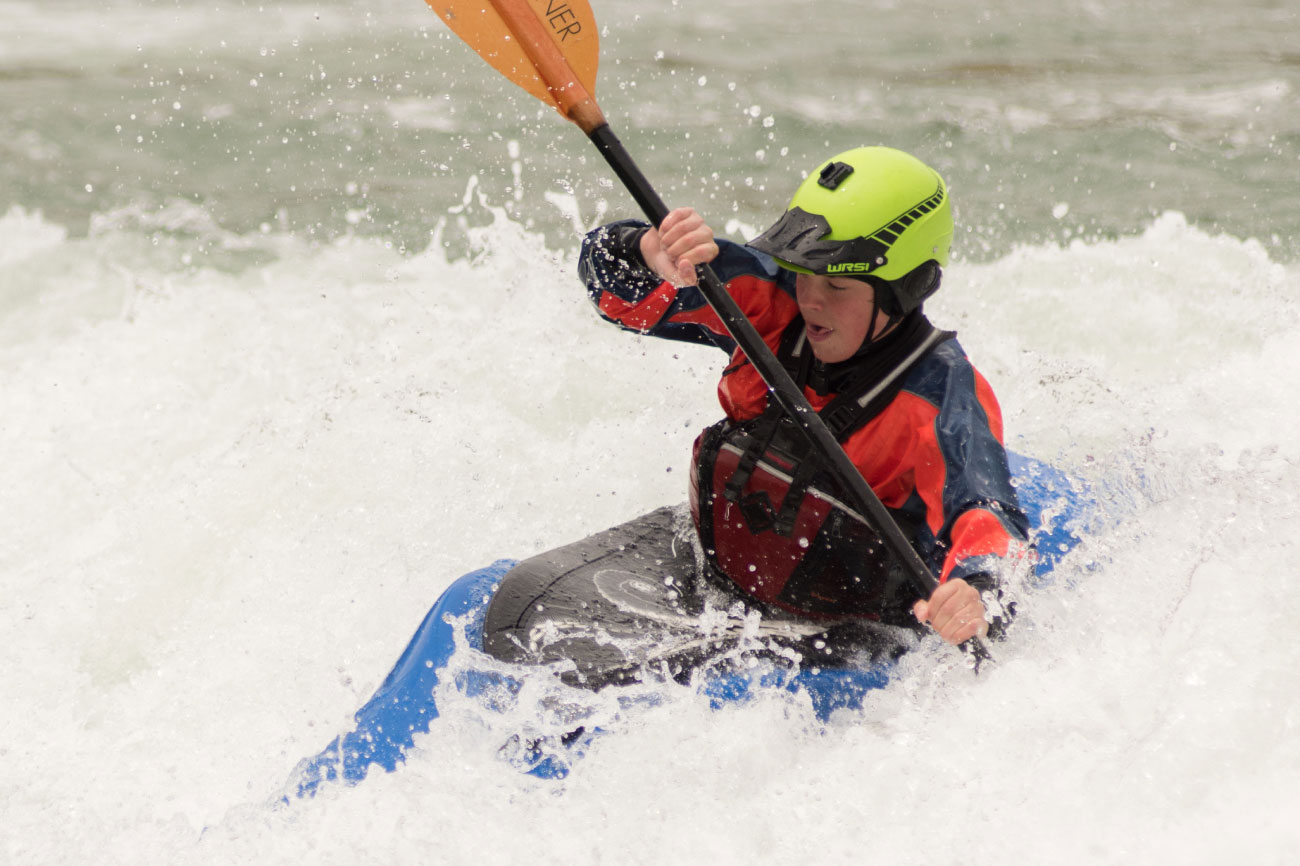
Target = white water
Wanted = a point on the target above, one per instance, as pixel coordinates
(229, 498)
(246, 439)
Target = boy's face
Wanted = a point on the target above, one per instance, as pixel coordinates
(837, 314)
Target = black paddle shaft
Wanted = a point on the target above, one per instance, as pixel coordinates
(784, 390)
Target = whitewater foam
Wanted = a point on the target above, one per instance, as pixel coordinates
(232, 493)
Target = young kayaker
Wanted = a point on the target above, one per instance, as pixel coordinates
(835, 288)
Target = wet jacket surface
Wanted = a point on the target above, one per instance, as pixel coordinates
(933, 454)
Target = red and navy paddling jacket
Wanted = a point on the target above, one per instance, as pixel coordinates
(929, 444)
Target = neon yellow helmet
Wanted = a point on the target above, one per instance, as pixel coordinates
(872, 213)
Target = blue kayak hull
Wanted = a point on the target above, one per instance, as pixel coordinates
(404, 705)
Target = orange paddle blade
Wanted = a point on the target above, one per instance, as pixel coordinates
(548, 47)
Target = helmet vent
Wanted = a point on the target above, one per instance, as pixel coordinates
(834, 174)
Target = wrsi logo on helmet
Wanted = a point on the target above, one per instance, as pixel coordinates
(873, 213)
(797, 239)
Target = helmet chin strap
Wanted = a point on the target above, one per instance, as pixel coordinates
(877, 307)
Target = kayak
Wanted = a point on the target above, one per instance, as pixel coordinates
(625, 607)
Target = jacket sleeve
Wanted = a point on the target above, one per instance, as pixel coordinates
(974, 527)
(627, 293)
(983, 523)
